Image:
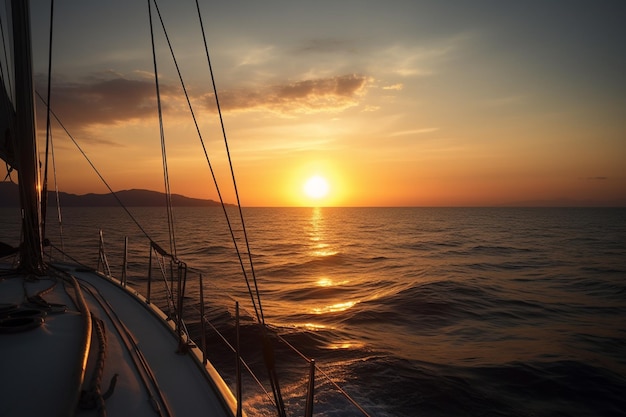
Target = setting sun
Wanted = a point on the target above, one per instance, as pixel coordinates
(316, 187)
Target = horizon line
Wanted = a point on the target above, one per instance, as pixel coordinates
(554, 203)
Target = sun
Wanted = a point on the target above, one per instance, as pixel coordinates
(316, 187)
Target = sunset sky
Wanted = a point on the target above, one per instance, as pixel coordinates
(394, 103)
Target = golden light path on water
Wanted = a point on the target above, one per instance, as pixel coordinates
(320, 248)
(335, 308)
(324, 296)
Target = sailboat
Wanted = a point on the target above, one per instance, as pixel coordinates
(77, 341)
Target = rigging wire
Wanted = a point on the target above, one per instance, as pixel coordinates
(50, 146)
(268, 349)
(166, 178)
(56, 192)
(113, 193)
(230, 163)
(44, 190)
(9, 169)
(206, 155)
(295, 350)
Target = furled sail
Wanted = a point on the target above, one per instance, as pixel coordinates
(18, 144)
(7, 126)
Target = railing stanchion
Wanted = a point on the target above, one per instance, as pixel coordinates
(202, 323)
(239, 395)
(102, 257)
(308, 412)
(181, 278)
(125, 264)
(149, 275)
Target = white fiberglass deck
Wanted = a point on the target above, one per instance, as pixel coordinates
(153, 379)
(38, 367)
(183, 384)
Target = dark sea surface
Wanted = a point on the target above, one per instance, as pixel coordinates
(412, 311)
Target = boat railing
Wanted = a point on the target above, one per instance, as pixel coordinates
(170, 297)
(102, 256)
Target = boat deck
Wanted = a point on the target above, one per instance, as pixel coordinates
(141, 348)
(41, 363)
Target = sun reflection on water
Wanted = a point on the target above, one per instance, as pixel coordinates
(345, 345)
(317, 235)
(334, 308)
(313, 326)
(322, 251)
(320, 248)
(325, 282)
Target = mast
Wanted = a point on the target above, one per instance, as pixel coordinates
(31, 250)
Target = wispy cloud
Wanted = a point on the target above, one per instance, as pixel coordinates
(504, 101)
(325, 45)
(396, 87)
(411, 60)
(255, 56)
(415, 131)
(306, 96)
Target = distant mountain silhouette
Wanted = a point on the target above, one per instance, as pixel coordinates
(9, 197)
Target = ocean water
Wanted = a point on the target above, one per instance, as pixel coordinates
(412, 311)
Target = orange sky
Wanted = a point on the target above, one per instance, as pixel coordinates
(410, 103)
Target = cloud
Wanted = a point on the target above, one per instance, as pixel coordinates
(325, 45)
(421, 60)
(307, 96)
(113, 99)
(102, 100)
(396, 87)
(255, 56)
(415, 131)
(504, 101)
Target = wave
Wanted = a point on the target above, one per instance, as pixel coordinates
(498, 250)
(315, 293)
(205, 250)
(600, 288)
(439, 302)
(561, 387)
(305, 265)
